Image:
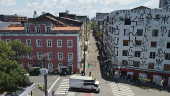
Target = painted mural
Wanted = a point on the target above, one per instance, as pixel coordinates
(147, 20)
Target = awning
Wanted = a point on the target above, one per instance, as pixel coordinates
(64, 67)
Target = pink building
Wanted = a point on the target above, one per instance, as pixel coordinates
(48, 35)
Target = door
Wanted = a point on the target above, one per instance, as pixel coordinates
(70, 67)
(50, 67)
(59, 67)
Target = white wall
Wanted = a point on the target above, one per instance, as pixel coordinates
(150, 24)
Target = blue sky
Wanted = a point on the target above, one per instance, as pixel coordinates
(79, 7)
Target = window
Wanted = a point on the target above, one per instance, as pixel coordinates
(28, 29)
(137, 53)
(60, 56)
(29, 56)
(59, 43)
(69, 43)
(125, 53)
(139, 32)
(39, 54)
(70, 56)
(126, 32)
(49, 43)
(127, 22)
(168, 45)
(138, 43)
(153, 44)
(48, 30)
(8, 40)
(155, 33)
(18, 40)
(152, 55)
(38, 43)
(28, 42)
(50, 55)
(167, 56)
(38, 30)
(125, 43)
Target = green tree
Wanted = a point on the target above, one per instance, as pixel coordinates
(11, 75)
(92, 25)
(19, 48)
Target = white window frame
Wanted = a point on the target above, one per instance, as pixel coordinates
(39, 56)
(27, 42)
(21, 64)
(19, 40)
(28, 55)
(69, 56)
(8, 39)
(47, 42)
(37, 42)
(68, 44)
(49, 56)
(36, 29)
(59, 56)
(27, 29)
(58, 43)
(46, 29)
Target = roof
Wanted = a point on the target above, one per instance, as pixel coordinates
(81, 77)
(141, 7)
(66, 28)
(14, 28)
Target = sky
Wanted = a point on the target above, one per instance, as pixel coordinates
(78, 7)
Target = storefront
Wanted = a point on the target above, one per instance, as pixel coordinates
(154, 75)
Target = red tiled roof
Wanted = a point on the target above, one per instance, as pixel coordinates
(66, 28)
(14, 28)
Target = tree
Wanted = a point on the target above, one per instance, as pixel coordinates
(19, 48)
(92, 25)
(11, 75)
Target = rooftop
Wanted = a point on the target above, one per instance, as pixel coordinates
(66, 28)
(14, 28)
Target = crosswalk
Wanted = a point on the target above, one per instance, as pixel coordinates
(63, 88)
(121, 90)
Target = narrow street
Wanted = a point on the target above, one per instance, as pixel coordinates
(94, 59)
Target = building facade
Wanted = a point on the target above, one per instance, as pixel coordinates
(47, 35)
(139, 43)
(12, 18)
(164, 3)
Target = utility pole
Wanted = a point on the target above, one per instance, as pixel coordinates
(45, 76)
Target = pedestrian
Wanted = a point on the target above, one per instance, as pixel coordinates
(89, 73)
(125, 78)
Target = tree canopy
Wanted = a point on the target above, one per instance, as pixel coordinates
(11, 75)
(92, 25)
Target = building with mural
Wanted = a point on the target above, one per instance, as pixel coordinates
(49, 35)
(164, 3)
(139, 43)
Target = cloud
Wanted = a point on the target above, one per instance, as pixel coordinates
(45, 4)
(152, 4)
(107, 10)
(118, 2)
(23, 12)
(7, 2)
(60, 7)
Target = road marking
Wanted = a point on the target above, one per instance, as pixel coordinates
(64, 87)
(121, 90)
(53, 85)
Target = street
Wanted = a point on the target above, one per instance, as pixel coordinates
(108, 87)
